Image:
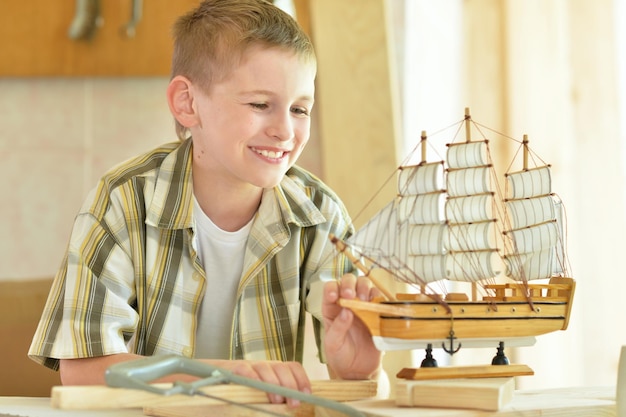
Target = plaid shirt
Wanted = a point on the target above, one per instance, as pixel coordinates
(131, 280)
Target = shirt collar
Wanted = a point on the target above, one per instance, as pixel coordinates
(172, 203)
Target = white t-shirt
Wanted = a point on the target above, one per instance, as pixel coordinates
(221, 254)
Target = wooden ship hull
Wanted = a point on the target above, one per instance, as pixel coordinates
(504, 316)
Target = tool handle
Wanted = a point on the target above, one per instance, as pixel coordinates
(139, 373)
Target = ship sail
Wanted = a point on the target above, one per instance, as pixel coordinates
(441, 225)
(468, 211)
(406, 236)
(451, 221)
(536, 249)
(421, 195)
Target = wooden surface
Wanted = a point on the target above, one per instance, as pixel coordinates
(21, 304)
(355, 102)
(570, 402)
(304, 410)
(476, 393)
(478, 371)
(101, 397)
(40, 407)
(36, 42)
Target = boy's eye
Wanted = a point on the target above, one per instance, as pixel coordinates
(300, 111)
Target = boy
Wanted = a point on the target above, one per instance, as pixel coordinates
(216, 246)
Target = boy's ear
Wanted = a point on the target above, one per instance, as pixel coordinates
(181, 101)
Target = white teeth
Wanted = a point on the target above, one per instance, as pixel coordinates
(270, 154)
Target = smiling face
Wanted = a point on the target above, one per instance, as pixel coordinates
(251, 126)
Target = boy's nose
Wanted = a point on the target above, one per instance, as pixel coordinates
(281, 127)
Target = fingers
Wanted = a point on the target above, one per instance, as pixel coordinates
(347, 341)
(350, 287)
(364, 289)
(286, 374)
(331, 292)
(345, 288)
(338, 320)
(330, 307)
(337, 331)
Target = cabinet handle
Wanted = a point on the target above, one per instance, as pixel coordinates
(86, 20)
(135, 16)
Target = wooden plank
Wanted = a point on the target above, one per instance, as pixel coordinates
(478, 393)
(472, 371)
(304, 410)
(102, 397)
(565, 402)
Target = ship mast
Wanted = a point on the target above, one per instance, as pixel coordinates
(468, 127)
(468, 138)
(525, 143)
(423, 161)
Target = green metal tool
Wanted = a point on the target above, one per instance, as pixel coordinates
(138, 374)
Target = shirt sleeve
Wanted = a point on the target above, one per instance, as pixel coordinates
(89, 310)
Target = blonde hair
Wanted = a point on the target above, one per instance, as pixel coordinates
(212, 38)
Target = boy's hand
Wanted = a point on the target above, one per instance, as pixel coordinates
(90, 371)
(350, 351)
(287, 374)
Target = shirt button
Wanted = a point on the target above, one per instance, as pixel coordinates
(197, 276)
(187, 352)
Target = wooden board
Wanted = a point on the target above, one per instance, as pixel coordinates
(36, 42)
(305, 410)
(478, 393)
(566, 402)
(21, 303)
(481, 371)
(102, 397)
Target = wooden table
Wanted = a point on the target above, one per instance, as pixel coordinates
(570, 402)
(40, 407)
(565, 402)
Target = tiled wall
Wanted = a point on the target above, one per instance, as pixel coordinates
(57, 136)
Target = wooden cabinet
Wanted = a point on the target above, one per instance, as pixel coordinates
(34, 39)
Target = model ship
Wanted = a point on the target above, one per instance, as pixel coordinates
(484, 263)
